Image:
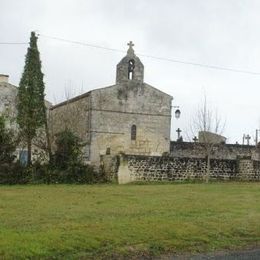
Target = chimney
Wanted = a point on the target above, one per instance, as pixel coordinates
(4, 78)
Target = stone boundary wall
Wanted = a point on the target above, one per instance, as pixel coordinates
(165, 168)
(219, 151)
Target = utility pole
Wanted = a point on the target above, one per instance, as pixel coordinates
(256, 136)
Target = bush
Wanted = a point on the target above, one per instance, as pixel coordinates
(66, 168)
(47, 174)
(13, 173)
(68, 150)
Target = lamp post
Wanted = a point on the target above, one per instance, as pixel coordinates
(256, 136)
(177, 115)
(177, 112)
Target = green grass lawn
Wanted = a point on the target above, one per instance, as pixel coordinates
(73, 221)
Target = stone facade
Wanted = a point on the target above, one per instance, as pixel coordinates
(129, 117)
(8, 93)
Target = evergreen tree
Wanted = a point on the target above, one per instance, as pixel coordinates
(31, 106)
(7, 143)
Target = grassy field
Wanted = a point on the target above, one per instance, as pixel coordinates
(69, 221)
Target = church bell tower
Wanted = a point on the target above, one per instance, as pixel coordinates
(130, 68)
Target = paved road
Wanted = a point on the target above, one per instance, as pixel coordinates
(239, 255)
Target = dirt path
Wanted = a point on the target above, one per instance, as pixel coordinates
(253, 254)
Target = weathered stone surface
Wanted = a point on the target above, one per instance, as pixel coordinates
(109, 166)
(220, 151)
(8, 95)
(162, 168)
(209, 137)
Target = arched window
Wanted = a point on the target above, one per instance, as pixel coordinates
(131, 66)
(133, 132)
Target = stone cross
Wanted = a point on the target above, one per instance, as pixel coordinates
(130, 44)
(130, 51)
(178, 132)
(247, 137)
(195, 139)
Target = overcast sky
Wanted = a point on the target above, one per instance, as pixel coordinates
(222, 33)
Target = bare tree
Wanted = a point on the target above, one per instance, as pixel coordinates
(209, 126)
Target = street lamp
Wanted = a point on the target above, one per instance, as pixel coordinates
(256, 136)
(177, 112)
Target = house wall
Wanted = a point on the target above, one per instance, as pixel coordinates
(8, 95)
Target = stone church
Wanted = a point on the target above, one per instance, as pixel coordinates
(130, 117)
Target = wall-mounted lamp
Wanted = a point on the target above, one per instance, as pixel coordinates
(177, 112)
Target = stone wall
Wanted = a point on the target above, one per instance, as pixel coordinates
(220, 151)
(75, 115)
(248, 169)
(164, 168)
(72, 114)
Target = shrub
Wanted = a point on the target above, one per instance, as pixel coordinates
(14, 173)
(47, 174)
(67, 166)
(68, 151)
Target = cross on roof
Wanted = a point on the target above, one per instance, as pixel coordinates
(130, 44)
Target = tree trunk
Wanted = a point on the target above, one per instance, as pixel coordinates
(29, 148)
(208, 169)
(48, 141)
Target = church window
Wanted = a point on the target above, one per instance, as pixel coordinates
(133, 132)
(131, 66)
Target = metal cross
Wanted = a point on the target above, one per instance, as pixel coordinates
(130, 44)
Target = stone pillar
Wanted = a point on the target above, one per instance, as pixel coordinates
(123, 171)
(245, 168)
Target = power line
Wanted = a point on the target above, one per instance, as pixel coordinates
(13, 43)
(157, 58)
(143, 55)
(203, 65)
(81, 43)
